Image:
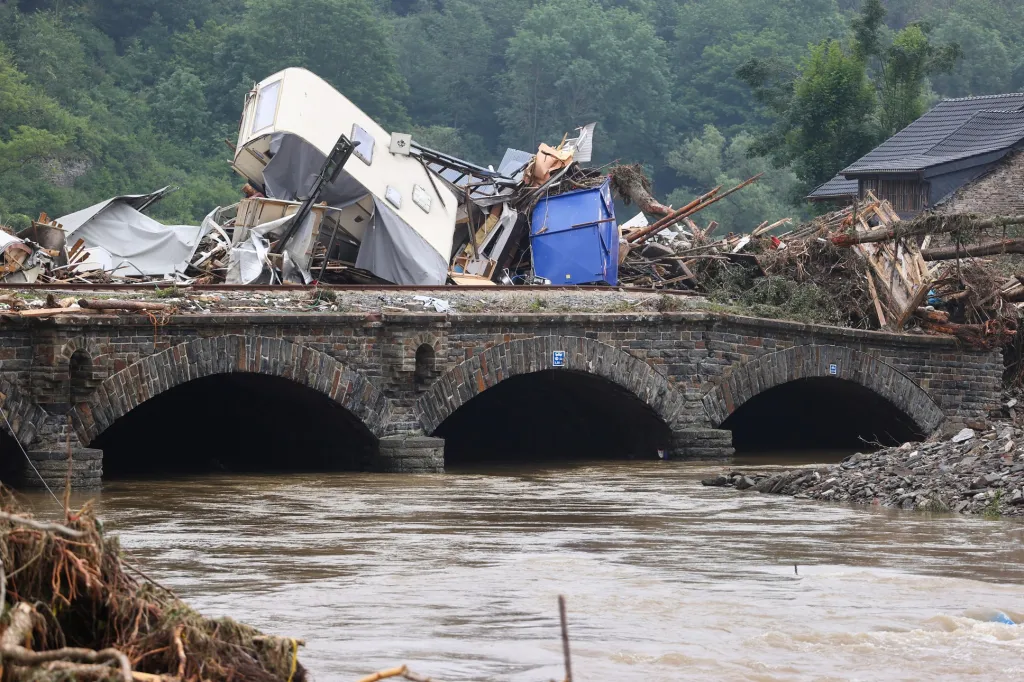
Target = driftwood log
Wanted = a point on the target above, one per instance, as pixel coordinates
(111, 304)
(929, 224)
(974, 250)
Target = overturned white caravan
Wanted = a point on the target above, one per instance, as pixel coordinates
(391, 217)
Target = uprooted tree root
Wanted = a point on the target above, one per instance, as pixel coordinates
(73, 612)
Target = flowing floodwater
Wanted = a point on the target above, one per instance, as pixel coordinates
(458, 574)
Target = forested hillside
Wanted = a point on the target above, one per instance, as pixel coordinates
(100, 97)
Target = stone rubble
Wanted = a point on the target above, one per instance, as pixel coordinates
(976, 471)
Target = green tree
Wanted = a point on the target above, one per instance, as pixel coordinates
(34, 129)
(988, 62)
(179, 107)
(445, 57)
(346, 42)
(902, 67)
(825, 117)
(572, 62)
(709, 160)
(905, 68)
(714, 38)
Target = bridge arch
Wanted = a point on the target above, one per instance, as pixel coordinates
(155, 374)
(822, 363)
(467, 380)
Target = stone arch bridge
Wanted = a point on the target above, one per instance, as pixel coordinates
(401, 377)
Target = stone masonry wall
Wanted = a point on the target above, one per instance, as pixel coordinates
(693, 352)
(998, 192)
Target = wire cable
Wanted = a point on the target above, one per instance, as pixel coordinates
(29, 459)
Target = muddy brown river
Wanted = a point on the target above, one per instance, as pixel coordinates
(458, 575)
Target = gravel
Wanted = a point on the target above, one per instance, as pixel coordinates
(974, 472)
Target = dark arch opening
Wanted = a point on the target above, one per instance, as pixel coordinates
(236, 422)
(425, 366)
(11, 459)
(553, 415)
(80, 374)
(819, 413)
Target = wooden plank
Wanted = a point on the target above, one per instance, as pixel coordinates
(874, 297)
(51, 312)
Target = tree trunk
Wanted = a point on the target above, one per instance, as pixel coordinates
(930, 224)
(971, 250)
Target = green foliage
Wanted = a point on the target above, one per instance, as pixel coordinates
(715, 38)
(831, 113)
(903, 66)
(101, 97)
(867, 29)
(748, 293)
(179, 106)
(611, 68)
(907, 63)
(988, 64)
(446, 55)
(824, 116)
(345, 42)
(711, 160)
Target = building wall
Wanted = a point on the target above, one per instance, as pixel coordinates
(908, 195)
(998, 192)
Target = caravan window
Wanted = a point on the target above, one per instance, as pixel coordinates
(266, 106)
(364, 150)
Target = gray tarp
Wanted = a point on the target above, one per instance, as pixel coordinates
(394, 251)
(136, 244)
(391, 249)
(294, 167)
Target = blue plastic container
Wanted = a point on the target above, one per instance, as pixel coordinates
(575, 239)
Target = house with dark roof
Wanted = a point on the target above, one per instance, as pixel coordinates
(961, 155)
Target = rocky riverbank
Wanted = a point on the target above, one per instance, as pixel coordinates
(973, 472)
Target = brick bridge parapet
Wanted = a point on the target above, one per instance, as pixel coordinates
(64, 380)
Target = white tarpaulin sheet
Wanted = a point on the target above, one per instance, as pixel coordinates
(137, 244)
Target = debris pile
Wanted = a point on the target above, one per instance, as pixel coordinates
(339, 200)
(972, 472)
(74, 612)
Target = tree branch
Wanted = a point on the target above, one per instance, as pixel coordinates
(39, 525)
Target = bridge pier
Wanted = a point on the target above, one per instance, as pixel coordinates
(411, 453)
(695, 443)
(55, 438)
